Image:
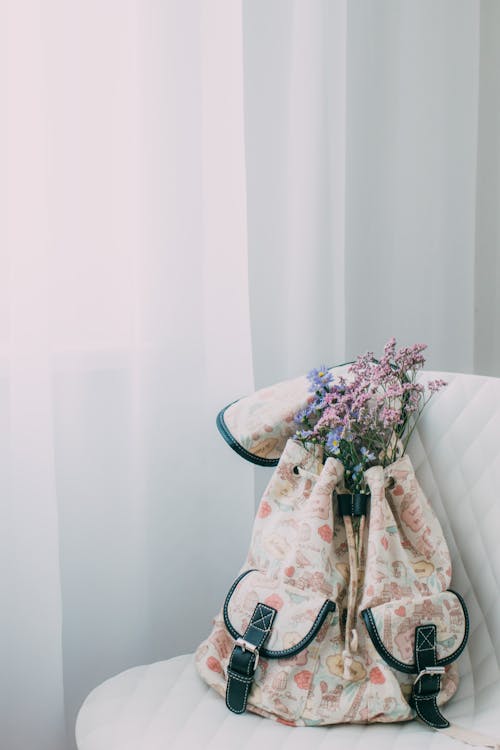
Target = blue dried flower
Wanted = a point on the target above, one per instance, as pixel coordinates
(333, 441)
(319, 378)
(304, 434)
(305, 413)
(367, 454)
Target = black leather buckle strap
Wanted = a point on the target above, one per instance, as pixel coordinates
(353, 504)
(245, 656)
(428, 682)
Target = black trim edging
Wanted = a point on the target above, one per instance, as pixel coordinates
(328, 606)
(240, 450)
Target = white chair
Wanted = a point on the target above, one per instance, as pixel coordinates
(456, 453)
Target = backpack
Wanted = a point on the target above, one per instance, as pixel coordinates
(342, 611)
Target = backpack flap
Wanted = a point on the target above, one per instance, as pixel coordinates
(258, 426)
(421, 637)
(274, 629)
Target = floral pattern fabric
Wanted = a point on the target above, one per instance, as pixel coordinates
(299, 549)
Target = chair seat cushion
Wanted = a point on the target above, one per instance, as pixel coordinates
(456, 454)
(167, 705)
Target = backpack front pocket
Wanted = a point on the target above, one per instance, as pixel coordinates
(288, 657)
(400, 628)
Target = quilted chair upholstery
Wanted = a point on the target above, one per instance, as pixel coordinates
(456, 454)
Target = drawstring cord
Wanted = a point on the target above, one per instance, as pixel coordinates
(355, 545)
(355, 540)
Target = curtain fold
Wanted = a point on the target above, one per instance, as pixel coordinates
(487, 275)
(124, 329)
(362, 142)
(295, 96)
(411, 151)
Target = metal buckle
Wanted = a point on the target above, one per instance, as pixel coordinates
(247, 646)
(428, 670)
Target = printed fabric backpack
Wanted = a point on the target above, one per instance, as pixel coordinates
(324, 625)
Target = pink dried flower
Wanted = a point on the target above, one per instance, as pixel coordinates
(390, 348)
(410, 357)
(390, 417)
(360, 419)
(435, 385)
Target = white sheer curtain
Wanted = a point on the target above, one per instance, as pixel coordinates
(373, 159)
(124, 328)
(360, 137)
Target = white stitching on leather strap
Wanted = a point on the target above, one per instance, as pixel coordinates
(426, 721)
(250, 664)
(238, 710)
(246, 680)
(230, 665)
(425, 633)
(261, 621)
(424, 637)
